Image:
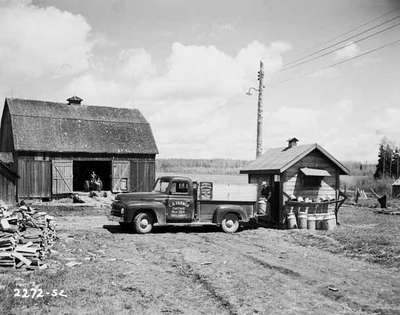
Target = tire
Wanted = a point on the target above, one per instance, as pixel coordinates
(230, 223)
(143, 223)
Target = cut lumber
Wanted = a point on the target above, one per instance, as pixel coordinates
(20, 257)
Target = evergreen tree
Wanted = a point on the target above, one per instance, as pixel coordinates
(381, 161)
(396, 163)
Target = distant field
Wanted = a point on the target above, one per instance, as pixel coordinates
(216, 178)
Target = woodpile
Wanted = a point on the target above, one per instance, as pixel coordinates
(26, 237)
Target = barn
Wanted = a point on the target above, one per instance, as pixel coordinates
(55, 146)
(306, 171)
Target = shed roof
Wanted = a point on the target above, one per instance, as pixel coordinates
(58, 127)
(314, 172)
(277, 160)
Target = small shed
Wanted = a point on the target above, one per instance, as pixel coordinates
(55, 146)
(396, 189)
(306, 170)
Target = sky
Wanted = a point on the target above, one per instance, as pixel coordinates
(186, 65)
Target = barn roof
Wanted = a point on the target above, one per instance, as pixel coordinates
(277, 160)
(58, 127)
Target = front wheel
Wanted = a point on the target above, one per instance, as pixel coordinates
(230, 223)
(143, 223)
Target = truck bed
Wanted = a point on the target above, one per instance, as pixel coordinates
(206, 208)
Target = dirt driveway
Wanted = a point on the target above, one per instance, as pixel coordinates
(204, 271)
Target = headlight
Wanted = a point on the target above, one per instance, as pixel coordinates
(122, 211)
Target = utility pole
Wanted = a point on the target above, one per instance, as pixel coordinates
(260, 110)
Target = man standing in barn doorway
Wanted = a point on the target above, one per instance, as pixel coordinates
(95, 181)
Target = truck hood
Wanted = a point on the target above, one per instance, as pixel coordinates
(137, 196)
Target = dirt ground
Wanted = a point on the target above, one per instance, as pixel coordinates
(181, 270)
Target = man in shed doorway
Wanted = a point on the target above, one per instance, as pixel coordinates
(266, 193)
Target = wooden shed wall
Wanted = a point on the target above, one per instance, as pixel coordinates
(7, 190)
(293, 184)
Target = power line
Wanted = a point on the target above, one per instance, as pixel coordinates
(361, 26)
(340, 47)
(296, 61)
(368, 52)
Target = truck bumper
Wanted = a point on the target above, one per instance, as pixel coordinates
(115, 218)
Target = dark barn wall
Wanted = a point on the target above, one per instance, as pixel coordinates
(34, 179)
(7, 189)
(141, 174)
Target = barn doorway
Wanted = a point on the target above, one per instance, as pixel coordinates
(83, 169)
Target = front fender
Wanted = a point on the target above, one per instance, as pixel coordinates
(155, 207)
(221, 210)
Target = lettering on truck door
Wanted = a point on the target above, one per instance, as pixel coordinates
(180, 205)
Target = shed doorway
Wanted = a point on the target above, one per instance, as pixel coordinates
(83, 169)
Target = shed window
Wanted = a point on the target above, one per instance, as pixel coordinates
(312, 181)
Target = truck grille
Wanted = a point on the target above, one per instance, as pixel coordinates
(116, 208)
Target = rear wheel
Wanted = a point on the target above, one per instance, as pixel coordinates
(230, 223)
(143, 223)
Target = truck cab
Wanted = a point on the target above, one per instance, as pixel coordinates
(177, 200)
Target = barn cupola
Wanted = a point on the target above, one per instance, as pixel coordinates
(292, 142)
(74, 100)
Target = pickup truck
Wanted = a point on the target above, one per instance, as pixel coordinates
(175, 200)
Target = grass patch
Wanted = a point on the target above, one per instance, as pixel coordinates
(362, 234)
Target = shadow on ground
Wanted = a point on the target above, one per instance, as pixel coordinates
(117, 229)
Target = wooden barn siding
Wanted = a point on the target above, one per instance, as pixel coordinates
(34, 179)
(7, 190)
(292, 183)
(142, 170)
(142, 175)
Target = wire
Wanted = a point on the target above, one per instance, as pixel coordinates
(360, 26)
(294, 62)
(340, 47)
(341, 62)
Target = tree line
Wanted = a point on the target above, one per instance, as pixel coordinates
(388, 160)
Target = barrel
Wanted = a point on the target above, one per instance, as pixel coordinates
(331, 221)
(302, 220)
(319, 221)
(311, 222)
(291, 221)
(262, 206)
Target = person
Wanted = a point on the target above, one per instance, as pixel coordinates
(95, 181)
(265, 191)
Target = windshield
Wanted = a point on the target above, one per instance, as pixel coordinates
(161, 185)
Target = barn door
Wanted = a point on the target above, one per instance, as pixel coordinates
(62, 177)
(120, 176)
(34, 179)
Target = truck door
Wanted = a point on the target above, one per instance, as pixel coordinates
(180, 205)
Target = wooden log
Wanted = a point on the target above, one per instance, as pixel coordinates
(20, 257)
